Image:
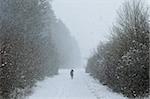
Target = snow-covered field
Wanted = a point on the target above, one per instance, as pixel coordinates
(81, 87)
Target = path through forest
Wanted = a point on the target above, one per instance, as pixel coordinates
(82, 86)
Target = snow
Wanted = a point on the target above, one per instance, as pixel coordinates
(82, 86)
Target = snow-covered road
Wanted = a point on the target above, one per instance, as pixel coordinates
(81, 87)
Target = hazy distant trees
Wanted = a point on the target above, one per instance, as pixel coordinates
(123, 62)
(66, 45)
(28, 52)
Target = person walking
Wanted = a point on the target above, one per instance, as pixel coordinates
(72, 73)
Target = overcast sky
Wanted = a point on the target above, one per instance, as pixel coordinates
(88, 20)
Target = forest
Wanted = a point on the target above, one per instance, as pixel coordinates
(122, 63)
(37, 46)
(31, 39)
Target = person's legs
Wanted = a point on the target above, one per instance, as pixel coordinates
(71, 76)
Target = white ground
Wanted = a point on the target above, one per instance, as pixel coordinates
(81, 87)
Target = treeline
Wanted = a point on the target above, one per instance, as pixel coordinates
(66, 45)
(122, 63)
(28, 52)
